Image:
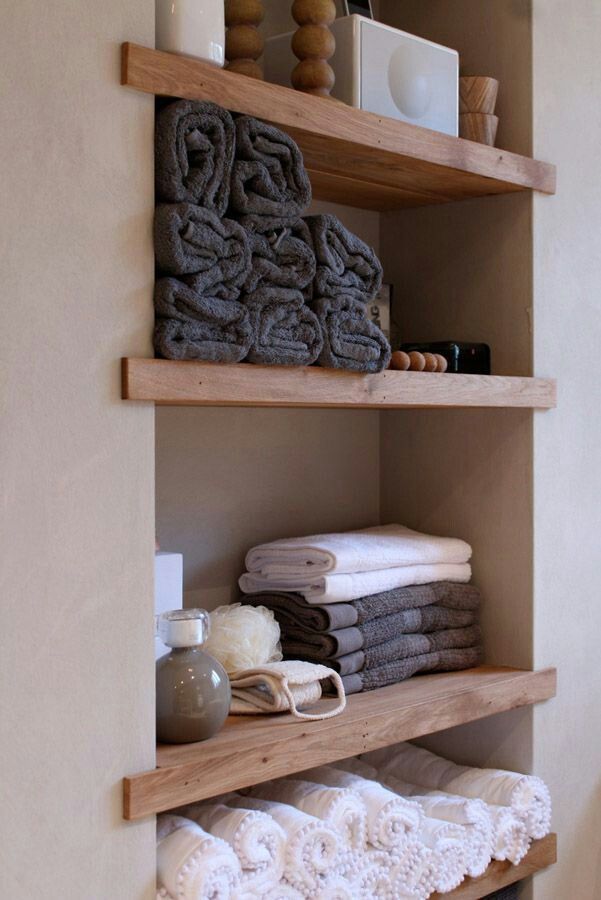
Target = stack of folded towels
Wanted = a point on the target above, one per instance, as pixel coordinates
(402, 823)
(377, 605)
(242, 276)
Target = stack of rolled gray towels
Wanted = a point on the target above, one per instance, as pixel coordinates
(377, 605)
(241, 275)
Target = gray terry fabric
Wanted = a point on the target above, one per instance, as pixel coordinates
(443, 593)
(350, 340)
(292, 610)
(268, 176)
(212, 252)
(281, 257)
(194, 154)
(193, 326)
(415, 621)
(285, 331)
(345, 264)
(400, 670)
(332, 644)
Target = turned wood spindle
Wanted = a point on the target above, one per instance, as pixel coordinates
(314, 44)
(243, 40)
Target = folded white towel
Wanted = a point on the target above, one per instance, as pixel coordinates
(510, 836)
(382, 547)
(313, 849)
(527, 795)
(448, 843)
(390, 818)
(256, 839)
(193, 865)
(339, 808)
(473, 815)
(344, 588)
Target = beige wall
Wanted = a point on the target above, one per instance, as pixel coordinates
(76, 464)
(567, 470)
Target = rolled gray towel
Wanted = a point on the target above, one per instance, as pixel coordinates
(268, 176)
(213, 253)
(400, 670)
(350, 340)
(285, 331)
(194, 154)
(280, 257)
(346, 265)
(194, 326)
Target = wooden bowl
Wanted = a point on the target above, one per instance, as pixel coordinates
(478, 94)
(478, 127)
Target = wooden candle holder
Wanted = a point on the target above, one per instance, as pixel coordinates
(479, 127)
(314, 44)
(243, 40)
(478, 94)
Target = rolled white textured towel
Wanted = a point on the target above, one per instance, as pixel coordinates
(382, 547)
(390, 818)
(368, 874)
(473, 815)
(413, 872)
(510, 837)
(255, 837)
(448, 844)
(335, 887)
(313, 849)
(339, 808)
(194, 865)
(527, 795)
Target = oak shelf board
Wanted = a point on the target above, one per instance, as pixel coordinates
(541, 855)
(190, 383)
(353, 156)
(252, 749)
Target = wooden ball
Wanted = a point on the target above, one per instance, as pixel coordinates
(418, 363)
(431, 364)
(313, 42)
(243, 42)
(247, 67)
(244, 12)
(400, 361)
(314, 12)
(441, 362)
(314, 76)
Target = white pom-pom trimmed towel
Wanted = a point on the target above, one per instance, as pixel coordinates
(340, 808)
(193, 865)
(256, 839)
(510, 836)
(448, 844)
(390, 818)
(312, 850)
(284, 687)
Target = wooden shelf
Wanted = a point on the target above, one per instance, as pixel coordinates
(253, 749)
(542, 854)
(352, 156)
(169, 383)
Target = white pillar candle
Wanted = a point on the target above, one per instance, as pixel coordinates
(192, 27)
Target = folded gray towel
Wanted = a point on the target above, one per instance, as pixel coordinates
(345, 264)
(333, 644)
(194, 154)
(350, 340)
(400, 670)
(401, 647)
(213, 253)
(194, 326)
(285, 331)
(268, 176)
(296, 611)
(281, 257)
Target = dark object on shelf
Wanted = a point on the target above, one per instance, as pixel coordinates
(471, 359)
(509, 893)
(358, 7)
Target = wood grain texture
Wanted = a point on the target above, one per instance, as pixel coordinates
(353, 156)
(175, 383)
(252, 749)
(542, 854)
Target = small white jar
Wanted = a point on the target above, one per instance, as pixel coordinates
(193, 28)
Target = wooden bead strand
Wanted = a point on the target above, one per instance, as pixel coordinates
(243, 40)
(314, 44)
